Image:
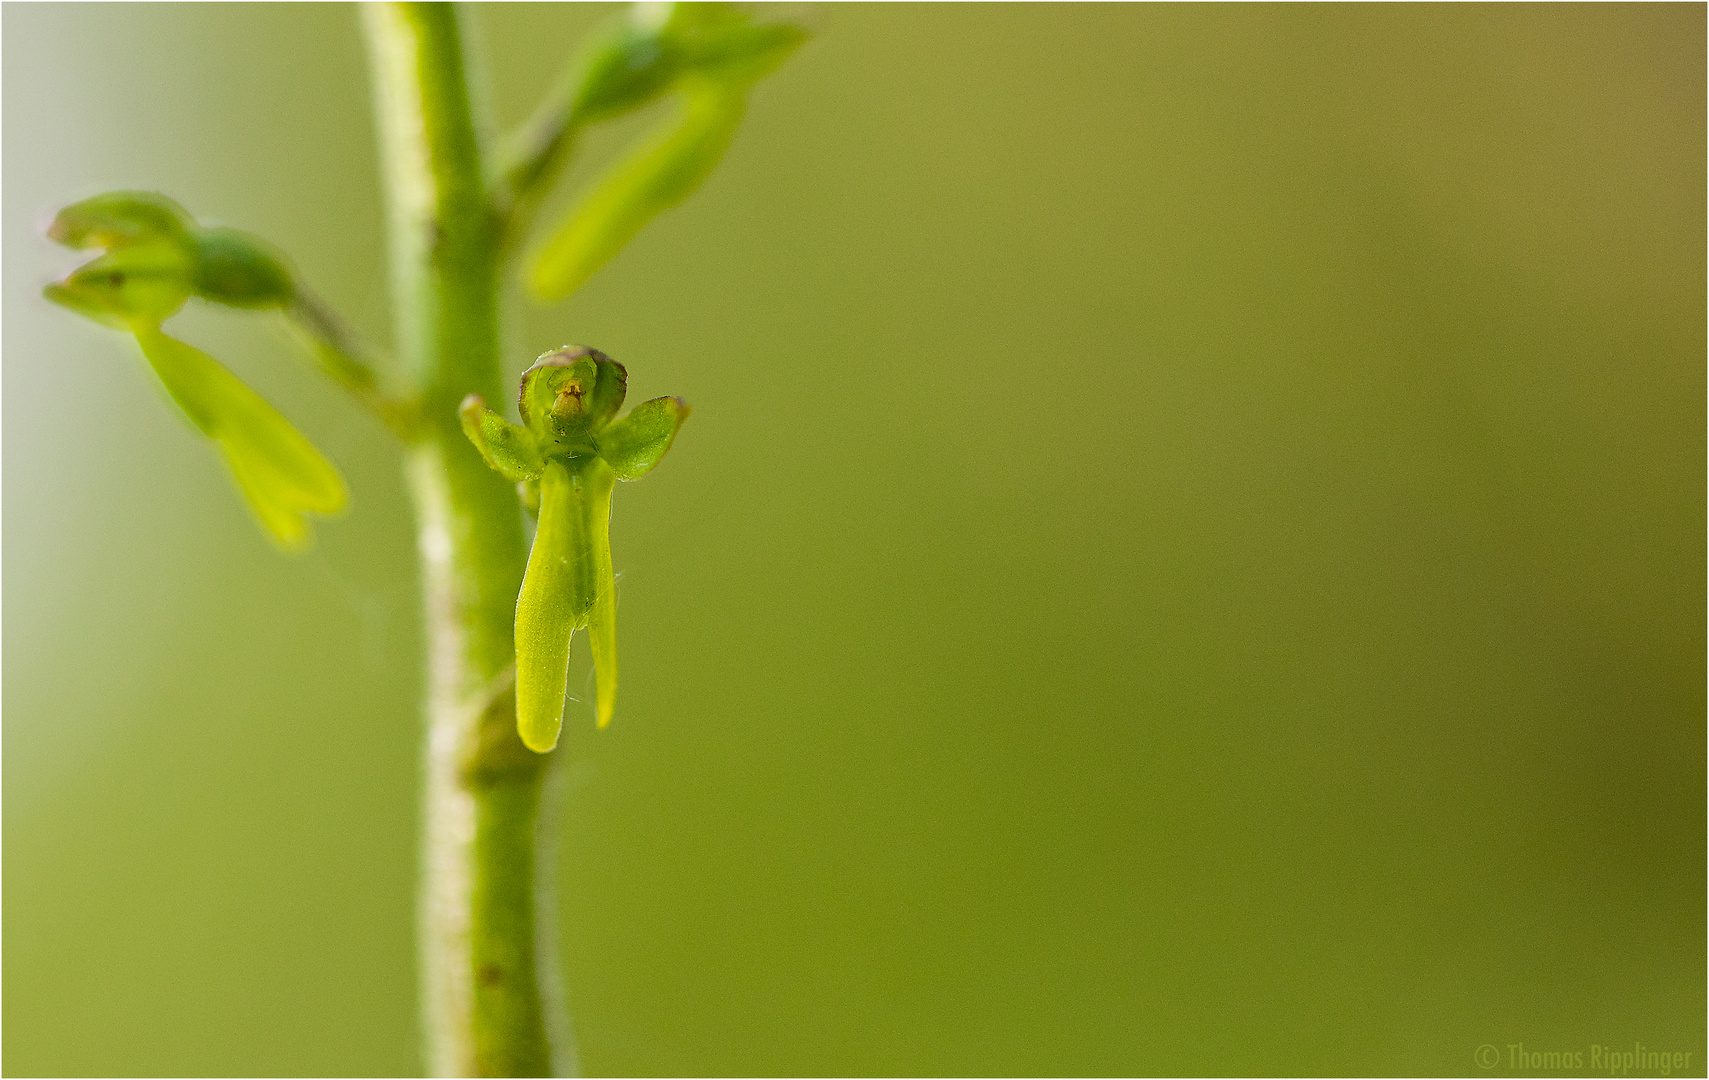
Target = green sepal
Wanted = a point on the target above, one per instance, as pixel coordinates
(119, 219)
(144, 282)
(568, 395)
(510, 450)
(242, 270)
(634, 444)
(663, 172)
(281, 474)
(568, 585)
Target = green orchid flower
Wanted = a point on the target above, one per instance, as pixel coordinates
(567, 455)
(155, 259)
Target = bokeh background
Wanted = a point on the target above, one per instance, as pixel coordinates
(1189, 557)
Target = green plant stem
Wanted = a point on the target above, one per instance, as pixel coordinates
(484, 976)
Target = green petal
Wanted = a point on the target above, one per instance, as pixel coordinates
(281, 474)
(568, 580)
(119, 219)
(510, 450)
(634, 444)
(662, 173)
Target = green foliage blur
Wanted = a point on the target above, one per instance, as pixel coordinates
(1189, 557)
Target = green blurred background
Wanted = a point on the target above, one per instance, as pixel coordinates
(1189, 557)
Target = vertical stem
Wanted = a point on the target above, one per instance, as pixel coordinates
(482, 975)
